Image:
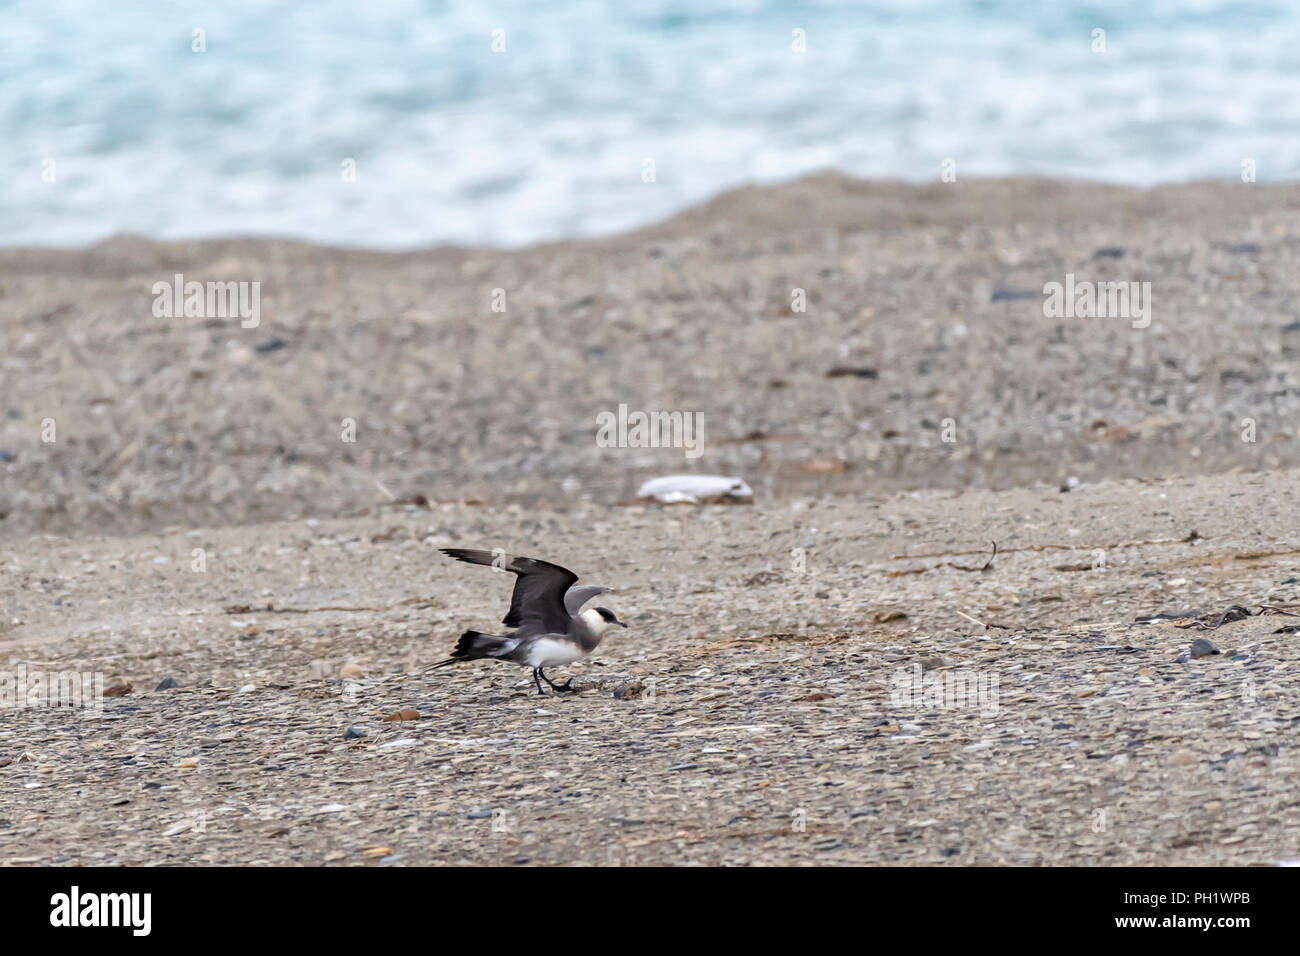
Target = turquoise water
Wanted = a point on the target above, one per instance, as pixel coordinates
(549, 138)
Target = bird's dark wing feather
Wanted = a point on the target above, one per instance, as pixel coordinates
(539, 587)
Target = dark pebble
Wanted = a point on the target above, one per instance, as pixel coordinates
(352, 733)
(1203, 648)
(168, 683)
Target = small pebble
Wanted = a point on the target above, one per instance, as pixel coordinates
(629, 690)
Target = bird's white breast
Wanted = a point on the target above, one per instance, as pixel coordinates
(547, 652)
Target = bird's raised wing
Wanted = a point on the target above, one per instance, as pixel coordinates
(580, 594)
(540, 587)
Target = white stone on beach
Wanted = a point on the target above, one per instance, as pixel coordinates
(694, 489)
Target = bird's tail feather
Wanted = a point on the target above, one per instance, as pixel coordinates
(474, 645)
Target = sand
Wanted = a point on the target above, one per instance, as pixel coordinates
(200, 517)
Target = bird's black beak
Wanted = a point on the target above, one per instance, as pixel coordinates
(621, 624)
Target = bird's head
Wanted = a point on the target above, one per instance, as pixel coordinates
(599, 619)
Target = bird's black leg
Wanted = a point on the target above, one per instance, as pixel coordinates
(536, 671)
(567, 685)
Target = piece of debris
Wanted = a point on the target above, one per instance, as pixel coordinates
(695, 489)
(1203, 648)
(1080, 566)
(826, 466)
(1211, 622)
(888, 617)
(168, 683)
(629, 689)
(852, 371)
(1012, 295)
(418, 500)
(1167, 616)
(246, 608)
(402, 715)
(987, 565)
(1286, 610)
